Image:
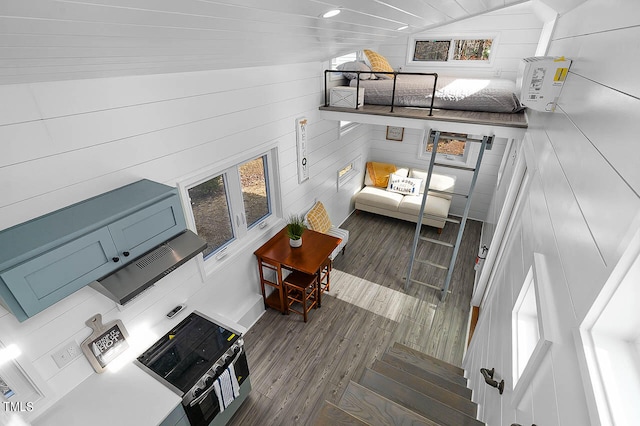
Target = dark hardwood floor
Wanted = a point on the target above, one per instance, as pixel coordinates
(295, 366)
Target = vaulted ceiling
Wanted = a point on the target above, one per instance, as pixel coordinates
(44, 40)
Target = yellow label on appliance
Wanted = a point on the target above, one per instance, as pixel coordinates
(231, 337)
(171, 336)
(561, 74)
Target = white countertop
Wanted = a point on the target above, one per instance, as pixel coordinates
(129, 396)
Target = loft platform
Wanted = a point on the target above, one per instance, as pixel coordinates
(510, 125)
(518, 120)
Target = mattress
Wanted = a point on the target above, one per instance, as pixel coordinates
(489, 95)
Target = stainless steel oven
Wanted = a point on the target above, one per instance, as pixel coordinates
(203, 362)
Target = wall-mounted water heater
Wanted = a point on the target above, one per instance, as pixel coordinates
(540, 80)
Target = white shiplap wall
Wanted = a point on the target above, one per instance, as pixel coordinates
(406, 153)
(580, 212)
(517, 28)
(66, 141)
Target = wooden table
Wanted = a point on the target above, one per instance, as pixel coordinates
(276, 255)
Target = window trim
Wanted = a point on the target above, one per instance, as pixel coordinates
(471, 150)
(356, 168)
(538, 278)
(495, 37)
(242, 240)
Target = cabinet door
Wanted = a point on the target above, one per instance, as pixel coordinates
(141, 231)
(50, 277)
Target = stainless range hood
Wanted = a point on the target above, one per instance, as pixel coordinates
(135, 277)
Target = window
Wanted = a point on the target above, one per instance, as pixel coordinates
(348, 171)
(229, 205)
(451, 49)
(346, 126)
(611, 343)
(531, 327)
(453, 148)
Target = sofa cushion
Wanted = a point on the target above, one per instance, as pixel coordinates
(318, 218)
(436, 206)
(379, 173)
(402, 171)
(378, 197)
(438, 182)
(404, 185)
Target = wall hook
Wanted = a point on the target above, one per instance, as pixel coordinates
(488, 378)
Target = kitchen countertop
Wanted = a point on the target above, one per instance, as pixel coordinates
(108, 399)
(129, 393)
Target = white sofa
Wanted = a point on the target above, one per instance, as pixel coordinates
(384, 201)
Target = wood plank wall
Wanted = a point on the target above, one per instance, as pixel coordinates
(579, 213)
(66, 141)
(517, 27)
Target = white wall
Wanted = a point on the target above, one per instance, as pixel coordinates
(517, 28)
(406, 153)
(66, 141)
(579, 212)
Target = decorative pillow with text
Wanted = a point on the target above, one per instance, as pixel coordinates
(404, 185)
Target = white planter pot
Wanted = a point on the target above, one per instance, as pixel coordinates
(295, 243)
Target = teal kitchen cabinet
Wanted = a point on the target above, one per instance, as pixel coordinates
(48, 258)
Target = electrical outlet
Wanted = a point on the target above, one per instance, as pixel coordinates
(67, 353)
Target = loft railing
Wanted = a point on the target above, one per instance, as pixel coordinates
(393, 93)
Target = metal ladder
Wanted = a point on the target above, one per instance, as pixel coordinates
(486, 143)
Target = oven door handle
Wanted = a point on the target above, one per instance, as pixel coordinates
(212, 387)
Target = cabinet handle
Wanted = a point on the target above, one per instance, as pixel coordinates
(125, 253)
(115, 259)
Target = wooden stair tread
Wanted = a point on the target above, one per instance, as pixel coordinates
(428, 365)
(429, 376)
(377, 410)
(429, 389)
(453, 368)
(331, 415)
(415, 401)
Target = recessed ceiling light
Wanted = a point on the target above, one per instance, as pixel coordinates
(404, 27)
(331, 13)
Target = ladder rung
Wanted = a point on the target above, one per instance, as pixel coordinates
(452, 166)
(452, 220)
(448, 193)
(442, 243)
(428, 285)
(428, 262)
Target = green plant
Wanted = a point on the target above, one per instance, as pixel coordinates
(295, 226)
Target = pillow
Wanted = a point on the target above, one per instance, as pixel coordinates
(318, 219)
(355, 66)
(404, 185)
(402, 171)
(438, 182)
(378, 173)
(379, 63)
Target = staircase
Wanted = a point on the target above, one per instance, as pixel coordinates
(404, 387)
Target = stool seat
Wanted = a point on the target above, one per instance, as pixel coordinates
(301, 288)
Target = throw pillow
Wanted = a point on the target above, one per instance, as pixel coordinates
(355, 66)
(378, 173)
(379, 64)
(318, 219)
(404, 185)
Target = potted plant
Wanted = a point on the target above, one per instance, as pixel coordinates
(295, 229)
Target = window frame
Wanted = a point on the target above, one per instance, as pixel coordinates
(243, 235)
(467, 159)
(356, 168)
(452, 39)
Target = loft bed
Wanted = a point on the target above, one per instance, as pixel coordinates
(430, 96)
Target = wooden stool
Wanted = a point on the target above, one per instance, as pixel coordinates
(301, 288)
